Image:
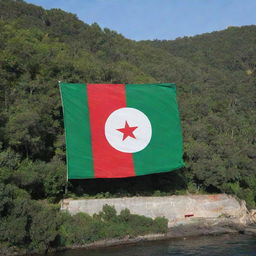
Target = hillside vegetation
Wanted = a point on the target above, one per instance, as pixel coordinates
(215, 75)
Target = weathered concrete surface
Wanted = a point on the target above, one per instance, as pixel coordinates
(174, 208)
(253, 215)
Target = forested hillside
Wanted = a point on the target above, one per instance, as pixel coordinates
(215, 75)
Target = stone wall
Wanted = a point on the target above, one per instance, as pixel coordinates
(177, 209)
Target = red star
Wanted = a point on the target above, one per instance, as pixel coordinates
(128, 131)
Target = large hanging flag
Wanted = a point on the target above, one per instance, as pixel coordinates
(121, 130)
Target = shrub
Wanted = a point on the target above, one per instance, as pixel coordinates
(160, 225)
(82, 228)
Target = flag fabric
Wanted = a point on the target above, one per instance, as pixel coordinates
(121, 130)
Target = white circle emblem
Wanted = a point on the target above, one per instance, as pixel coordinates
(128, 130)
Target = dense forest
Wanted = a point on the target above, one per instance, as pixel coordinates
(215, 74)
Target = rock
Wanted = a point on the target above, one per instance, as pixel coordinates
(253, 215)
(250, 230)
(205, 227)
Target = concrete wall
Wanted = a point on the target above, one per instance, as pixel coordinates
(174, 208)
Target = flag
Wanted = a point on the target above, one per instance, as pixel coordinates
(121, 130)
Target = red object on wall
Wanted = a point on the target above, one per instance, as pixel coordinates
(189, 215)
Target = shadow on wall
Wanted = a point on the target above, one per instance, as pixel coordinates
(169, 183)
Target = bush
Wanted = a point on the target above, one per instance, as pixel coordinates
(243, 193)
(78, 229)
(108, 214)
(160, 225)
(82, 228)
(27, 223)
(44, 229)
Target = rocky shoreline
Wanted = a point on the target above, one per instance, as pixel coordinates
(205, 227)
(200, 227)
(194, 228)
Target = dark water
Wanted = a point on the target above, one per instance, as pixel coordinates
(226, 245)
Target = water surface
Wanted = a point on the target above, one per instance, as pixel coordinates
(225, 245)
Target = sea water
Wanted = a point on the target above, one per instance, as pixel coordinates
(224, 245)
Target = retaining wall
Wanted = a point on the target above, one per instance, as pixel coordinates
(176, 209)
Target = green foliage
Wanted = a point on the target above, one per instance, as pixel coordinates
(108, 214)
(44, 229)
(81, 228)
(26, 223)
(242, 191)
(160, 225)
